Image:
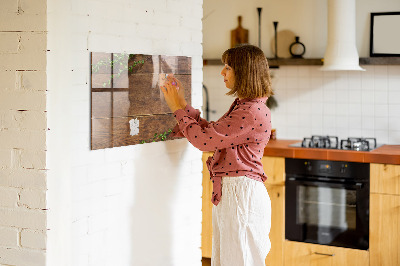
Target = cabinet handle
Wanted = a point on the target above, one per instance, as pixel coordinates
(324, 254)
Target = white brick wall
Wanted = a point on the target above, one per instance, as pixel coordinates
(135, 205)
(23, 132)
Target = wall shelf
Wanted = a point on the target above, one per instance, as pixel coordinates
(380, 61)
(274, 63)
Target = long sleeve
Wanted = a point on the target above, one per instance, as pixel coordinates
(193, 113)
(229, 131)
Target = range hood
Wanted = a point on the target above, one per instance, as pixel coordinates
(341, 51)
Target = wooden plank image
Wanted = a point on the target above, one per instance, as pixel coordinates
(127, 105)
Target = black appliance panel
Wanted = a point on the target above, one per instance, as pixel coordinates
(327, 202)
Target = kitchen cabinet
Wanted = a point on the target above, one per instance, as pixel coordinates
(385, 215)
(385, 178)
(305, 254)
(274, 168)
(206, 226)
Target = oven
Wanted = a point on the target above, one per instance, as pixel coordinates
(327, 202)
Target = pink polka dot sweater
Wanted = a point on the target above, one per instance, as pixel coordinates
(238, 139)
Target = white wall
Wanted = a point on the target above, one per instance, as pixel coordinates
(344, 103)
(23, 133)
(306, 19)
(135, 205)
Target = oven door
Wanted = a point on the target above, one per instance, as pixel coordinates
(327, 213)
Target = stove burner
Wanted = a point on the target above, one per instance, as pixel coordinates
(358, 144)
(328, 142)
(332, 142)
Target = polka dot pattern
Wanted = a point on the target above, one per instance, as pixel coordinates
(238, 139)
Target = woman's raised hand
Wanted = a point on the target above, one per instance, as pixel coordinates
(173, 93)
(181, 91)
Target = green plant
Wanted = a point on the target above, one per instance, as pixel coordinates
(157, 137)
(118, 59)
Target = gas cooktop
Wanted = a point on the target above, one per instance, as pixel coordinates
(332, 142)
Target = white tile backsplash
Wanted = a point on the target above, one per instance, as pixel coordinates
(343, 103)
(394, 97)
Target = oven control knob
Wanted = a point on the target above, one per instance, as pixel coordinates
(308, 166)
(343, 168)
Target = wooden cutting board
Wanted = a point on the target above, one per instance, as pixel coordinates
(239, 35)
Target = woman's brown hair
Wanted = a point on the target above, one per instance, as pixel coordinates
(250, 66)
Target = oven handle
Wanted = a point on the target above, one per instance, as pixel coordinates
(357, 185)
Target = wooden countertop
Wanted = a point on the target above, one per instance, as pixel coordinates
(389, 154)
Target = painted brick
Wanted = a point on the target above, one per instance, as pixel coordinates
(17, 256)
(8, 237)
(34, 140)
(23, 100)
(191, 23)
(196, 11)
(114, 186)
(31, 80)
(23, 178)
(197, 38)
(24, 22)
(98, 222)
(36, 7)
(33, 159)
(33, 239)
(9, 42)
(8, 6)
(31, 61)
(155, 32)
(197, 63)
(192, 48)
(176, 7)
(22, 218)
(98, 42)
(33, 199)
(16, 158)
(80, 227)
(13, 119)
(7, 79)
(118, 173)
(5, 159)
(97, 173)
(8, 197)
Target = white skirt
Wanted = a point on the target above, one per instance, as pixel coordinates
(241, 223)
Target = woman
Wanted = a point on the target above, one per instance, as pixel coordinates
(242, 211)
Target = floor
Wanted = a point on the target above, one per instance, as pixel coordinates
(206, 261)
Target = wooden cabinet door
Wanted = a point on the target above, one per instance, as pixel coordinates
(206, 226)
(277, 233)
(385, 178)
(304, 254)
(274, 168)
(384, 230)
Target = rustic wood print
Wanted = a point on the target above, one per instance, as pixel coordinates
(124, 88)
(151, 129)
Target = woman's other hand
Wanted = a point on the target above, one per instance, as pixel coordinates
(173, 93)
(181, 91)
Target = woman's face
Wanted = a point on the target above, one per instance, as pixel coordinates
(229, 76)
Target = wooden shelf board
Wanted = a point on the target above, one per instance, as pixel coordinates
(380, 61)
(273, 62)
